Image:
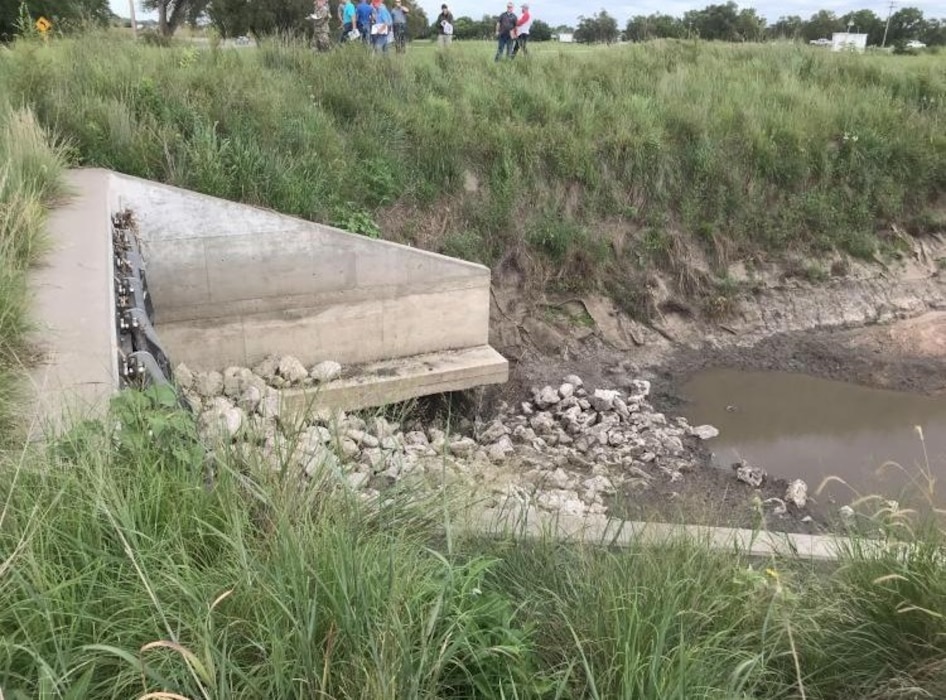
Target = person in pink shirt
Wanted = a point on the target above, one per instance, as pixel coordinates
(523, 25)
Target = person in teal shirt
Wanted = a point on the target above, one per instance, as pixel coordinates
(347, 16)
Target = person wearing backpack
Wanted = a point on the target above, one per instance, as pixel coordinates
(505, 27)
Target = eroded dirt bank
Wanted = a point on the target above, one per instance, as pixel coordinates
(878, 325)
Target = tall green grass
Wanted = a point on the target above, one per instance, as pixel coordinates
(30, 169)
(131, 562)
(666, 153)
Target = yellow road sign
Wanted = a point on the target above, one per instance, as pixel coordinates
(43, 25)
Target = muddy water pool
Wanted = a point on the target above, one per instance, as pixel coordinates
(796, 426)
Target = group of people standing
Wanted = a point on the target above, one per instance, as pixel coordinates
(375, 25)
(369, 22)
(513, 32)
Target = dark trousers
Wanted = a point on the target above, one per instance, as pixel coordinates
(521, 42)
(505, 46)
(400, 37)
(345, 29)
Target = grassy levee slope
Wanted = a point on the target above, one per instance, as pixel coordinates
(30, 169)
(133, 564)
(588, 166)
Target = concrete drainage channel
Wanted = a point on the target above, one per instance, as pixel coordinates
(228, 287)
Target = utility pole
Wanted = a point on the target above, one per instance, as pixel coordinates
(887, 26)
(134, 22)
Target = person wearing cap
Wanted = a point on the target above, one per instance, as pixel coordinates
(399, 15)
(522, 31)
(444, 26)
(505, 29)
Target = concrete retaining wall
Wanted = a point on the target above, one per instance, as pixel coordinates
(232, 283)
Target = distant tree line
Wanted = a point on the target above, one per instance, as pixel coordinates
(730, 23)
(724, 22)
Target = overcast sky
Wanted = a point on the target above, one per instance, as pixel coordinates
(566, 12)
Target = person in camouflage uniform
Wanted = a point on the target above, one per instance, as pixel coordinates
(320, 18)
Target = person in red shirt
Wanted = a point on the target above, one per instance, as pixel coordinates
(523, 26)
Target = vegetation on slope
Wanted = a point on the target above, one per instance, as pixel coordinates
(29, 182)
(591, 166)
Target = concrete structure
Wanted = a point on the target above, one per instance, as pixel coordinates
(529, 523)
(74, 308)
(844, 41)
(233, 283)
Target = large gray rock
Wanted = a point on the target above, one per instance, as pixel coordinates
(748, 474)
(797, 493)
(546, 396)
(249, 399)
(221, 420)
(566, 390)
(574, 380)
(326, 371)
(492, 432)
(640, 389)
(235, 381)
(291, 370)
(603, 399)
(184, 377)
(267, 368)
(208, 384)
(704, 432)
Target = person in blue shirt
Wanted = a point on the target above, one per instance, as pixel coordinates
(381, 27)
(347, 16)
(363, 14)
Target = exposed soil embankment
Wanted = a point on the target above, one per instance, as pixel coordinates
(879, 325)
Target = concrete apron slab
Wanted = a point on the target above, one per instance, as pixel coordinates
(599, 530)
(73, 306)
(403, 378)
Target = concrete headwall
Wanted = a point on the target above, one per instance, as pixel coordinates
(232, 283)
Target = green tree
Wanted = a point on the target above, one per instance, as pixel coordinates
(62, 13)
(749, 26)
(655, 26)
(597, 29)
(905, 24)
(865, 22)
(541, 31)
(787, 27)
(715, 22)
(173, 13)
(822, 25)
(935, 32)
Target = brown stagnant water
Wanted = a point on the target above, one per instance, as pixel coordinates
(796, 426)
